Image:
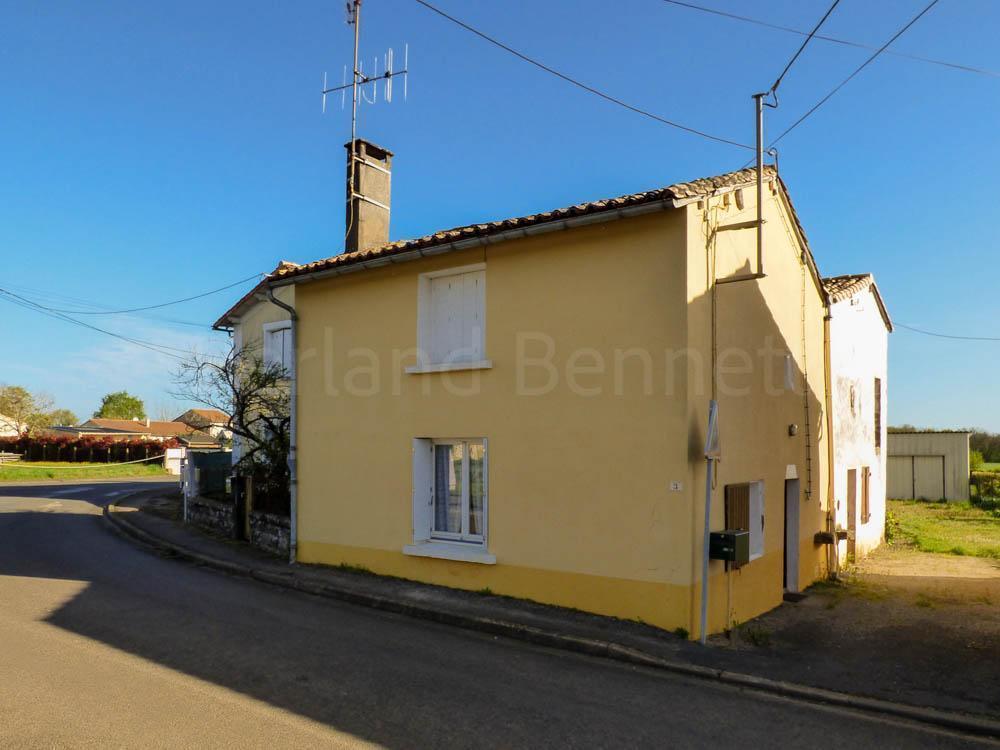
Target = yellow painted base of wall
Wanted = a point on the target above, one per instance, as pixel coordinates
(659, 604)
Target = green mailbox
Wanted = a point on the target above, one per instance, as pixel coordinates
(732, 545)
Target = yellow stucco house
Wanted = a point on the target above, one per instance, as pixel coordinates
(522, 405)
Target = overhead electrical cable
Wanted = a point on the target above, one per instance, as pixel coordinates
(162, 304)
(857, 70)
(580, 84)
(834, 40)
(777, 81)
(36, 307)
(946, 335)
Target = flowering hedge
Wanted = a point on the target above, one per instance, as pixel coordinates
(84, 449)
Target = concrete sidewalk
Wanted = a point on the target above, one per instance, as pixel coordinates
(632, 642)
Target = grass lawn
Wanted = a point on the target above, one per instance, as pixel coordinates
(950, 528)
(990, 467)
(16, 472)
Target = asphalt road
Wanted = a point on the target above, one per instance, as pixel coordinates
(103, 644)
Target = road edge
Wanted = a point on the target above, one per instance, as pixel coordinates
(966, 723)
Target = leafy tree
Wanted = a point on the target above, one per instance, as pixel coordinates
(121, 405)
(29, 411)
(62, 417)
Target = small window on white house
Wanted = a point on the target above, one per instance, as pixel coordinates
(278, 345)
(450, 497)
(452, 316)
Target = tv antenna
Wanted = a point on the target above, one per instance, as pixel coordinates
(360, 80)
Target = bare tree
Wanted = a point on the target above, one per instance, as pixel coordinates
(256, 397)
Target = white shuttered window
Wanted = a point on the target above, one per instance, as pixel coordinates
(452, 317)
(278, 345)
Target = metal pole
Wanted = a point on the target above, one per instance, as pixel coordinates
(703, 632)
(354, 118)
(759, 106)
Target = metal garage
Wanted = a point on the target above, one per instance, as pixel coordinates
(928, 465)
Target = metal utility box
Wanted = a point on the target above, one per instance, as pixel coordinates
(732, 545)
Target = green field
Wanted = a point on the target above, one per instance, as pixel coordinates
(19, 472)
(990, 467)
(949, 528)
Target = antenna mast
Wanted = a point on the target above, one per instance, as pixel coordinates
(359, 80)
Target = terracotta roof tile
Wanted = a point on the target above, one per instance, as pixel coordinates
(679, 191)
(840, 288)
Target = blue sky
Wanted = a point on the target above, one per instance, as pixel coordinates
(152, 151)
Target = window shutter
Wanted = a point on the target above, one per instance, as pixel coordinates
(268, 348)
(878, 412)
(287, 357)
(422, 488)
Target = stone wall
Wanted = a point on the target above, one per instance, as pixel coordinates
(270, 532)
(212, 515)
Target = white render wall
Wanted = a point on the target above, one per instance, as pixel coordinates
(859, 343)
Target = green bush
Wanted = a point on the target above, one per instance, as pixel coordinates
(986, 484)
(975, 461)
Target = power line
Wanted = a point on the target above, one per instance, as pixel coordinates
(946, 335)
(54, 298)
(777, 81)
(581, 85)
(162, 304)
(857, 70)
(28, 304)
(834, 40)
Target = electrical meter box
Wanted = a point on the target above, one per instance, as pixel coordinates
(732, 545)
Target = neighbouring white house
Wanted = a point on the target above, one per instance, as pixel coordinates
(9, 427)
(859, 328)
(929, 465)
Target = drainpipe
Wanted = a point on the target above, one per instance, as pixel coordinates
(831, 518)
(293, 477)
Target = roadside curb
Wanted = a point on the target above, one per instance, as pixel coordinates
(965, 723)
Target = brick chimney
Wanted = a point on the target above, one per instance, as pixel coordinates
(368, 198)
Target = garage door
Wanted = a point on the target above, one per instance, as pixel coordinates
(920, 477)
(928, 477)
(899, 478)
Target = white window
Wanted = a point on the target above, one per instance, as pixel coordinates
(450, 499)
(278, 345)
(451, 317)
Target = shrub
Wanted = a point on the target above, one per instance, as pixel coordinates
(986, 484)
(82, 450)
(975, 461)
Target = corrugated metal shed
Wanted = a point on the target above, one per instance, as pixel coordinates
(928, 465)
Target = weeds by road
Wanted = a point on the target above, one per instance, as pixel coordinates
(950, 528)
(19, 472)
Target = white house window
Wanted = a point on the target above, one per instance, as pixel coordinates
(450, 499)
(278, 345)
(451, 318)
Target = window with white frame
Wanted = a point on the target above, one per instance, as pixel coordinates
(745, 510)
(451, 316)
(278, 345)
(449, 491)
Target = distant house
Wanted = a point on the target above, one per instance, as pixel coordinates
(212, 421)
(9, 427)
(134, 429)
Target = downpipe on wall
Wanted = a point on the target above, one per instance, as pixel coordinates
(293, 479)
